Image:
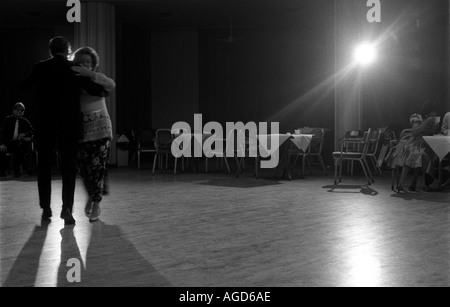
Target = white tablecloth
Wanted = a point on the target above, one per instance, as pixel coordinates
(440, 144)
(302, 141)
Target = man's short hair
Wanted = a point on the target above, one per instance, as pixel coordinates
(59, 44)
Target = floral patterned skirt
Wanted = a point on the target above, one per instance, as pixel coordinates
(92, 162)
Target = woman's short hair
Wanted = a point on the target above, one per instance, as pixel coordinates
(89, 51)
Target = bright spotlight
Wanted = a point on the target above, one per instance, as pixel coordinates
(365, 54)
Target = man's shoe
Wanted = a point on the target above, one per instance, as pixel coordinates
(46, 214)
(66, 215)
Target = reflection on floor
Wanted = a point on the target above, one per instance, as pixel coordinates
(214, 229)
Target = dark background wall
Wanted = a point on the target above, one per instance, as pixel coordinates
(411, 73)
(266, 75)
(271, 74)
(134, 101)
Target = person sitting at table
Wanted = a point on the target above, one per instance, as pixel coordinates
(413, 152)
(446, 124)
(15, 137)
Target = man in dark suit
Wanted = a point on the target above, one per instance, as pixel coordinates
(15, 138)
(56, 89)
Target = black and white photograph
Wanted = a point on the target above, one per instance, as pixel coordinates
(225, 149)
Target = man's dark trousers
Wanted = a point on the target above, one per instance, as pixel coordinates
(67, 149)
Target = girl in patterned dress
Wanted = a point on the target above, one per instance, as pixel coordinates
(412, 152)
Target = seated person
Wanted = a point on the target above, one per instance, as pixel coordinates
(413, 153)
(446, 124)
(15, 137)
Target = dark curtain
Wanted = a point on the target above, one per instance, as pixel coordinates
(271, 74)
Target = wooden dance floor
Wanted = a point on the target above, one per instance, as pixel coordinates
(202, 230)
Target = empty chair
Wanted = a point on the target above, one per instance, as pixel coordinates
(344, 154)
(242, 150)
(163, 146)
(145, 144)
(353, 146)
(353, 135)
(223, 153)
(387, 141)
(374, 141)
(314, 150)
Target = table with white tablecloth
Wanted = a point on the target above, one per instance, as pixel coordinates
(301, 141)
(440, 144)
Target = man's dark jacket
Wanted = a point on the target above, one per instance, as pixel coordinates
(56, 91)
